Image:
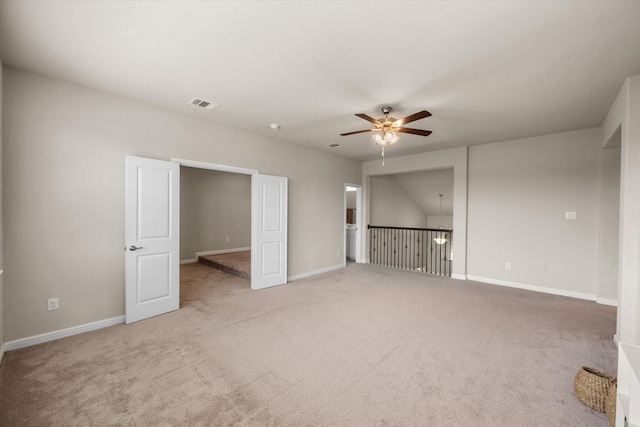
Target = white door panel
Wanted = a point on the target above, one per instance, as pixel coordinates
(268, 231)
(153, 275)
(152, 233)
(154, 203)
(271, 258)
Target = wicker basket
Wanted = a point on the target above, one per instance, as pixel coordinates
(610, 403)
(591, 387)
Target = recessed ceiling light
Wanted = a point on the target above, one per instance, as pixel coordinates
(335, 145)
(274, 126)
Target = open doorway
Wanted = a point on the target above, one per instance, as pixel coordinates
(269, 201)
(353, 223)
(411, 220)
(609, 219)
(215, 220)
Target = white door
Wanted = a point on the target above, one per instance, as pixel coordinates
(152, 237)
(268, 231)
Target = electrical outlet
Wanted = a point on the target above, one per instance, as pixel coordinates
(52, 304)
(507, 266)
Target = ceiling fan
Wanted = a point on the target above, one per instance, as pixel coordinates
(387, 128)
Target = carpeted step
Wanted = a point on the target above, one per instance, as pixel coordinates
(222, 264)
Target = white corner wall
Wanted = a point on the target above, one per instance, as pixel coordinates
(63, 168)
(624, 117)
(519, 192)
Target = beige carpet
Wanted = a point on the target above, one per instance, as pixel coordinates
(360, 346)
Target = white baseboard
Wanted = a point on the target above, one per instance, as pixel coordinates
(459, 276)
(62, 333)
(607, 301)
(220, 251)
(315, 272)
(534, 288)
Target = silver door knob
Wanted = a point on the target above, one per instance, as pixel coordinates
(133, 248)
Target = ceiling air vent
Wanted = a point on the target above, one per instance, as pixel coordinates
(204, 104)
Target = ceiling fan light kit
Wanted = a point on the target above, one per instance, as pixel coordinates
(388, 138)
(386, 129)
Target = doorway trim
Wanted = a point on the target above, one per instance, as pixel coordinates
(214, 167)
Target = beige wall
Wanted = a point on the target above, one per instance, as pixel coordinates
(425, 187)
(1, 222)
(64, 148)
(213, 206)
(391, 206)
(519, 192)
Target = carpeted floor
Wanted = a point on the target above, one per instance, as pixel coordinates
(359, 346)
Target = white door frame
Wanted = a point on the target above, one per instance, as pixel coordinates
(232, 169)
(358, 223)
(214, 167)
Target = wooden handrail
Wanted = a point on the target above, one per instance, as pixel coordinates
(409, 228)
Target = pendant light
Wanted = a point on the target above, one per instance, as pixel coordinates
(440, 239)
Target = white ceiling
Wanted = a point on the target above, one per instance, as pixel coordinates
(488, 71)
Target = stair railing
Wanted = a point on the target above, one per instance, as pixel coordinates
(427, 250)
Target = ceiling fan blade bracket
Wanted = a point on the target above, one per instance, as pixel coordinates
(413, 117)
(369, 119)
